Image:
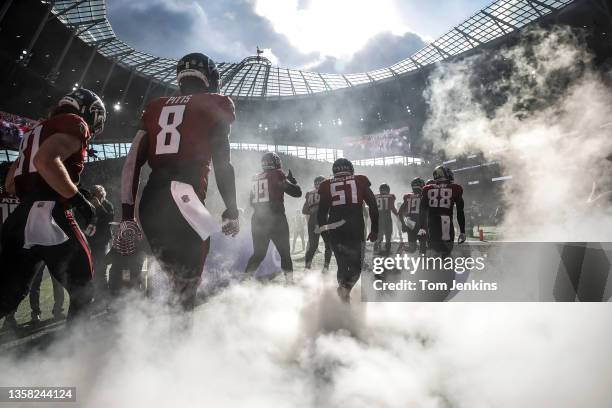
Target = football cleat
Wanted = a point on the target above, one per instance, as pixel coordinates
(343, 166)
(443, 173)
(270, 161)
(89, 106)
(201, 68)
(461, 238)
(417, 185)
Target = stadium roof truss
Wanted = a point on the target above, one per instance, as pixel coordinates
(255, 77)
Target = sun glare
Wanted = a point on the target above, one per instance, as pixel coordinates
(337, 28)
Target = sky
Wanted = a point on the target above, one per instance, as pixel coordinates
(343, 36)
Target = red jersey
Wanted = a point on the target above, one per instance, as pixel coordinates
(344, 196)
(29, 184)
(267, 192)
(437, 202)
(441, 198)
(386, 204)
(179, 130)
(411, 205)
(311, 203)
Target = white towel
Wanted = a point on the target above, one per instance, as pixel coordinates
(330, 226)
(193, 210)
(41, 228)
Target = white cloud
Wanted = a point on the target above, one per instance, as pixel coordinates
(267, 52)
(335, 28)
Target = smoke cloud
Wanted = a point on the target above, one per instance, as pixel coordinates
(257, 345)
(541, 114)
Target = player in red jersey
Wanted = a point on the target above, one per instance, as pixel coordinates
(311, 208)
(409, 215)
(386, 205)
(436, 213)
(178, 138)
(42, 227)
(340, 215)
(269, 222)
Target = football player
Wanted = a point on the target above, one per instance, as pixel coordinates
(269, 222)
(386, 205)
(409, 215)
(310, 209)
(340, 216)
(179, 137)
(436, 212)
(42, 228)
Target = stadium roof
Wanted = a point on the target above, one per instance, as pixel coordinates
(255, 77)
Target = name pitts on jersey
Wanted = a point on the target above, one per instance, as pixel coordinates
(179, 130)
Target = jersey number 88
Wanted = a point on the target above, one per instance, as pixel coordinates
(440, 197)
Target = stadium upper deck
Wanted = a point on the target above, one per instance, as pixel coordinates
(255, 77)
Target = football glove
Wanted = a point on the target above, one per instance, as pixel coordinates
(461, 238)
(372, 236)
(230, 223)
(290, 178)
(127, 237)
(84, 207)
(90, 230)
(422, 233)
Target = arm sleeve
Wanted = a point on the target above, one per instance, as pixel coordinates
(324, 206)
(305, 206)
(130, 175)
(401, 212)
(224, 110)
(224, 170)
(393, 209)
(460, 213)
(370, 200)
(424, 207)
(291, 189)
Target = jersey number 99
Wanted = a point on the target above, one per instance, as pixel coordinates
(261, 192)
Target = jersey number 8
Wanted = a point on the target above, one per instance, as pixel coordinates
(440, 197)
(169, 138)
